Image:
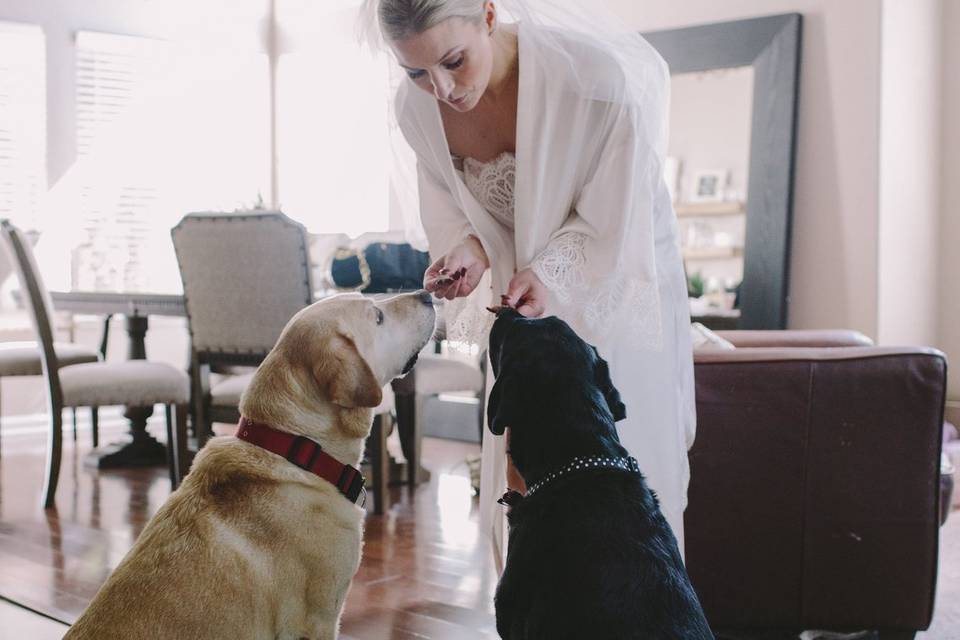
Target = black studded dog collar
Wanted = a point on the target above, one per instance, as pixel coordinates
(586, 463)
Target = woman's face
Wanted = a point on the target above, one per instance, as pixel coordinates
(452, 60)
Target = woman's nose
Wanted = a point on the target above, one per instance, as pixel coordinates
(442, 86)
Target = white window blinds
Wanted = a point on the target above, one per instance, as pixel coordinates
(23, 122)
(163, 128)
(112, 75)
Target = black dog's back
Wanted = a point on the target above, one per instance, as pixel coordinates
(594, 558)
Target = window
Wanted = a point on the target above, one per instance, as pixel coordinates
(23, 122)
(163, 128)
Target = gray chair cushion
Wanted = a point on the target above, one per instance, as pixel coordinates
(137, 383)
(23, 358)
(227, 391)
(438, 374)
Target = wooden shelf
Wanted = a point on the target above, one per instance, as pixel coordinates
(686, 209)
(712, 253)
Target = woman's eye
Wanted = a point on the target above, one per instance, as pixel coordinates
(379, 316)
(415, 75)
(455, 64)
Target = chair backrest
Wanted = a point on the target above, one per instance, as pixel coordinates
(19, 250)
(244, 276)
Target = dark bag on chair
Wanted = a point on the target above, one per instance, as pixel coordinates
(380, 268)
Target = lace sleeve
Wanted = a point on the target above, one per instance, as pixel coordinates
(601, 302)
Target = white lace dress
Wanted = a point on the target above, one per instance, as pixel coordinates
(650, 432)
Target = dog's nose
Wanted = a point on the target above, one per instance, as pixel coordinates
(425, 297)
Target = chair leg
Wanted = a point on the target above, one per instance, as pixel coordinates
(896, 635)
(379, 462)
(176, 441)
(54, 453)
(171, 447)
(203, 430)
(408, 431)
(74, 410)
(94, 424)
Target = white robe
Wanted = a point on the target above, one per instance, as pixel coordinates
(593, 217)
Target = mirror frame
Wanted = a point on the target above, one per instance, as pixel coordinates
(771, 45)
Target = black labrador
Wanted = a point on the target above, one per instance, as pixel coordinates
(590, 555)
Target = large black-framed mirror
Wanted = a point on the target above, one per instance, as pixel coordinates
(769, 48)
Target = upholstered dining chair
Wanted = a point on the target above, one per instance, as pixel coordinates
(133, 383)
(244, 276)
(23, 358)
(434, 375)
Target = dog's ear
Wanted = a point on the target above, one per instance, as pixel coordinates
(610, 393)
(345, 377)
(503, 405)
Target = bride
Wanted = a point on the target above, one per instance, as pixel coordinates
(539, 131)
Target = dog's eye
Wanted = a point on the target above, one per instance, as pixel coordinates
(379, 315)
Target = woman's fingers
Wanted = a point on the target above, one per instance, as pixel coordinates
(516, 292)
(530, 309)
(525, 294)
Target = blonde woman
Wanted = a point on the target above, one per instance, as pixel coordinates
(539, 133)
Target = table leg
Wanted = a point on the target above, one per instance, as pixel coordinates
(143, 450)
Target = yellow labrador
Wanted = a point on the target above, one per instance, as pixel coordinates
(253, 545)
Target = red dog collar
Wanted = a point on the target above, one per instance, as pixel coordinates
(306, 454)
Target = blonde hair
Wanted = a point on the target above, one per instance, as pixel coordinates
(400, 19)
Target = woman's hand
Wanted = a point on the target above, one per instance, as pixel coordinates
(458, 273)
(526, 294)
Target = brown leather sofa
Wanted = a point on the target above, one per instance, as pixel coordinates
(814, 492)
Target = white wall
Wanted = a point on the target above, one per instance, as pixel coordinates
(948, 326)
(909, 214)
(835, 224)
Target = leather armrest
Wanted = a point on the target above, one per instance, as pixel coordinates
(800, 354)
(797, 338)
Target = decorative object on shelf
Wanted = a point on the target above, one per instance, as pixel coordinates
(671, 175)
(695, 285)
(709, 185)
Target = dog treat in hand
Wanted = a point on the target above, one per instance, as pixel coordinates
(445, 278)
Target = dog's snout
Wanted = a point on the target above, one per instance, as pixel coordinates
(425, 297)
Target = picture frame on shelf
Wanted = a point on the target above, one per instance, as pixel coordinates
(709, 185)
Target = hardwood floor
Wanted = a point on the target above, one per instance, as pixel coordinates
(425, 572)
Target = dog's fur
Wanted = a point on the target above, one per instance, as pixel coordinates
(250, 545)
(590, 555)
